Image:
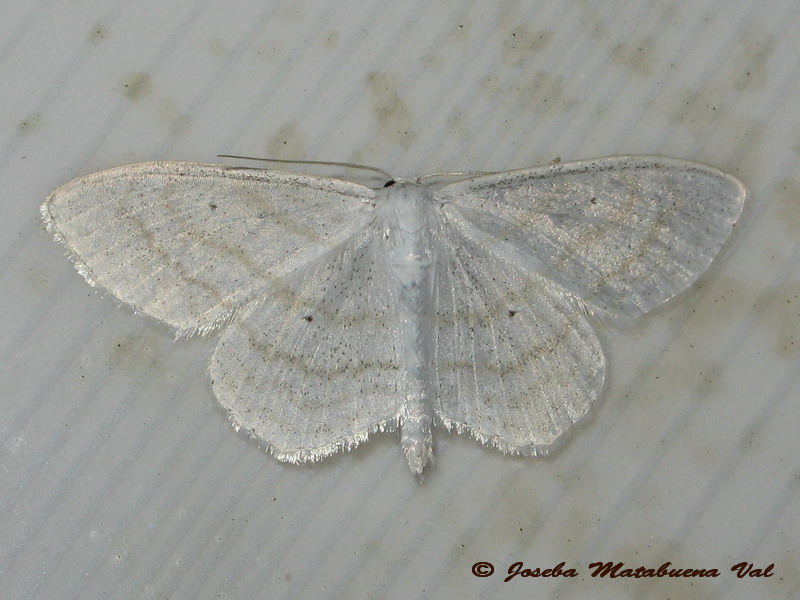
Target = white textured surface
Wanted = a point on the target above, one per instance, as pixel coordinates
(119, 476)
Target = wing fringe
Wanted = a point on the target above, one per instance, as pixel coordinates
(309, 455)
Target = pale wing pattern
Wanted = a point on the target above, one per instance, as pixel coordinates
(188, 243)
(624, 234)
(317, 364)
(515, 361)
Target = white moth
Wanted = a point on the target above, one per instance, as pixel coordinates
(348, 310)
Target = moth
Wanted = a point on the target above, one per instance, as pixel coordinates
(346, 310)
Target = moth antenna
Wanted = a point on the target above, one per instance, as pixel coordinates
(457, 174)
(326, 163)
